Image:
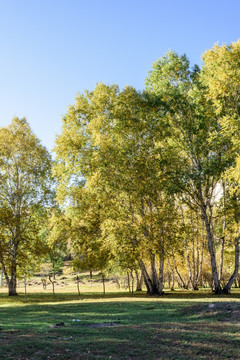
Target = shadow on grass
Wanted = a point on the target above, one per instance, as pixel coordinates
(144, 330)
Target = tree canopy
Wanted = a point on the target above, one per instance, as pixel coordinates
(25, 192)
(151, 157)
(147, 181)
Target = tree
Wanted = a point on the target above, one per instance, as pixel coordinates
(221, 77)
(25, 191)
(113, 143)
(202, 147)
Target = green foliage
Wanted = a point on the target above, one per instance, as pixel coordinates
(205, 151)
(117, 142)
(25, 192)
(127, 161)
(143, 178)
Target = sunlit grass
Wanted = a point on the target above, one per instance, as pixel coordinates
(177, 326)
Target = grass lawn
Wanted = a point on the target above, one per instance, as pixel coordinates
(180, 325)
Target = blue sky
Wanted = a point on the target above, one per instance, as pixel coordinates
(52, 49)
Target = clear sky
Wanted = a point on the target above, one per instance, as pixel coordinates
(52, 49)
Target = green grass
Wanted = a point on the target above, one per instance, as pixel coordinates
(177, 326)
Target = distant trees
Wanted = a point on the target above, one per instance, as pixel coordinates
(25, 191)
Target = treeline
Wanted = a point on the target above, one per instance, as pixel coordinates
(143, 182)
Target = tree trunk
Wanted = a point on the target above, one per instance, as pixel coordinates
(173, 281)
(139, 279)
(53, 284)
(12, 283)
(227, 287)
(171, 287)
(54, 275)
(161, 273)
(190, 277)
(217, 286)
(199, 264)
(1, 278)
(155, 280)
(78, 287)
(181, 281)
(146, 277)
(132, 280)
(221, 259)
(103, 281)
(223, 234)
(152, 283)
(12, 287)
(128, 280)
(44, 283)
(25, 288)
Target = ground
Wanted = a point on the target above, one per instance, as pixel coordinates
(180, 325)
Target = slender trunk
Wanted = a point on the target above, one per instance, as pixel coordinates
(90, 271)
(78, 287)
(193, 272)
(103, 281)
(173, 281)
(221, 259)
(171, 287)
(150, 284)
(12, 279)
(5, 273)
(132, 282)
(217, 286)
(193, 265)
(25, 288)
(227, 287)
(196, 266)
(155, 280)
(2, 278)
(53, 284)
(223, 235)
(44, 283)
(161, 273)
(197, 261)
(139, 279)
(180, 279)
(190, 277)
(54, 276)
(199, 264)
(128, 281)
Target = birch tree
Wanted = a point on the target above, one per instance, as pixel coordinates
(202, 147)
(25, 189)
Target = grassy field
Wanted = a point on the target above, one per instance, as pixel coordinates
(178, 325)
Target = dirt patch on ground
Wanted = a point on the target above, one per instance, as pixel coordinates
(100, 325)
(221, 311)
